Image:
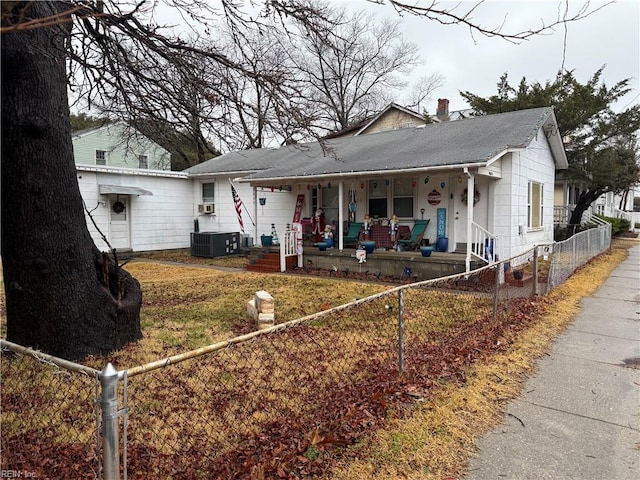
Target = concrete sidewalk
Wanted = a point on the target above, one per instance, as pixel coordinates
(579, 416)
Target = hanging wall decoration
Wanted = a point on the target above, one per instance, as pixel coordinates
(118, 207)
(426, 180)
(465, 194)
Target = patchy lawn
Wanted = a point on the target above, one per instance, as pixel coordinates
(422, 425)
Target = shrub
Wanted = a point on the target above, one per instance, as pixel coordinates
(618, 225)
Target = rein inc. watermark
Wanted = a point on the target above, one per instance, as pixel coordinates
(17, 474)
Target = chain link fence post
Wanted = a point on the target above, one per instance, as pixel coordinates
(535, 270)
(110, 414)
(401, 330)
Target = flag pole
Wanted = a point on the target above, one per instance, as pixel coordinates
(245, 207)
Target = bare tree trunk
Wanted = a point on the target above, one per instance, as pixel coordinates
(63, 296)
(585, 200)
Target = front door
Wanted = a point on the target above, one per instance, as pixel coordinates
(119, 227)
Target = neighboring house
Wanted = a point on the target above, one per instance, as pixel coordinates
(394, 116)
(508, 160)
(118, 145)
(132, 199)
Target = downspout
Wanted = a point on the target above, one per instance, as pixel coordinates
(340, 214)
(470, 194)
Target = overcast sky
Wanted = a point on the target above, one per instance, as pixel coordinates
(609, 37)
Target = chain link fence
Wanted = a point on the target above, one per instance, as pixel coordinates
(574, 252)
(49, 419)
(266, 404)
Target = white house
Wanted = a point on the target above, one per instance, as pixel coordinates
(131, 198)
(507, 160)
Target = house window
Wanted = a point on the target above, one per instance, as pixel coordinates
(101, 157)
(403, 197)
(534, 205)
(143, 161)
(378, 198)
(208, 193)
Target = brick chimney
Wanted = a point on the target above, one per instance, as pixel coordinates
(442, 113)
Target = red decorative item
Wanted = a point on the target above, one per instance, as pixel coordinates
(413, 184)
(308, 187)
(362, 185)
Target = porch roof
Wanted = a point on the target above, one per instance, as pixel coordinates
(471, 142)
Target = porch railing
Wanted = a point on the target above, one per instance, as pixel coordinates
(291, 245)
(622, 214)
(483, 244)
(562, 214)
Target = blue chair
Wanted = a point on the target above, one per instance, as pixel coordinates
(353, 235)
(417, 232)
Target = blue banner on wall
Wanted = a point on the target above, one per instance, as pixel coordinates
(442, 223)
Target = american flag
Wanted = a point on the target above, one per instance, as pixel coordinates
(238, 204)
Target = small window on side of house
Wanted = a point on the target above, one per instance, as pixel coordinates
(101, 157)
(208, 193)
(143, 161)
(534, 205)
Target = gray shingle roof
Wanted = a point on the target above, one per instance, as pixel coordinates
(469, 141)
(240, 161)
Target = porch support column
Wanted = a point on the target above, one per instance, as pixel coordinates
(255, 215)
(470, 190)
(340, 214)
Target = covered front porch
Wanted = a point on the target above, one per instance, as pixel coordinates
(436, 195)
(381, 263)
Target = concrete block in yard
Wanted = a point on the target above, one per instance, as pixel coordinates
(266, 317)
(251, 309)
(264, 302)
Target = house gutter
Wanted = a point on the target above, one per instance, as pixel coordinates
(131, 171)
(230, 173)
(374, 173)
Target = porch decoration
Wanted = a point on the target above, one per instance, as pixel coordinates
(366, 226)
(434, 197)
(426, 251)
(262, 199)
(118, 207)
(274, 235)
(465, 194)
(328, 236)
(353, 205)
(317, 225)
(393, 229)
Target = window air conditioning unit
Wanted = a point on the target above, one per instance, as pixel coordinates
(207, 208)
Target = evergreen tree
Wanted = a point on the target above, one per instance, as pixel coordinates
(600, 143)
